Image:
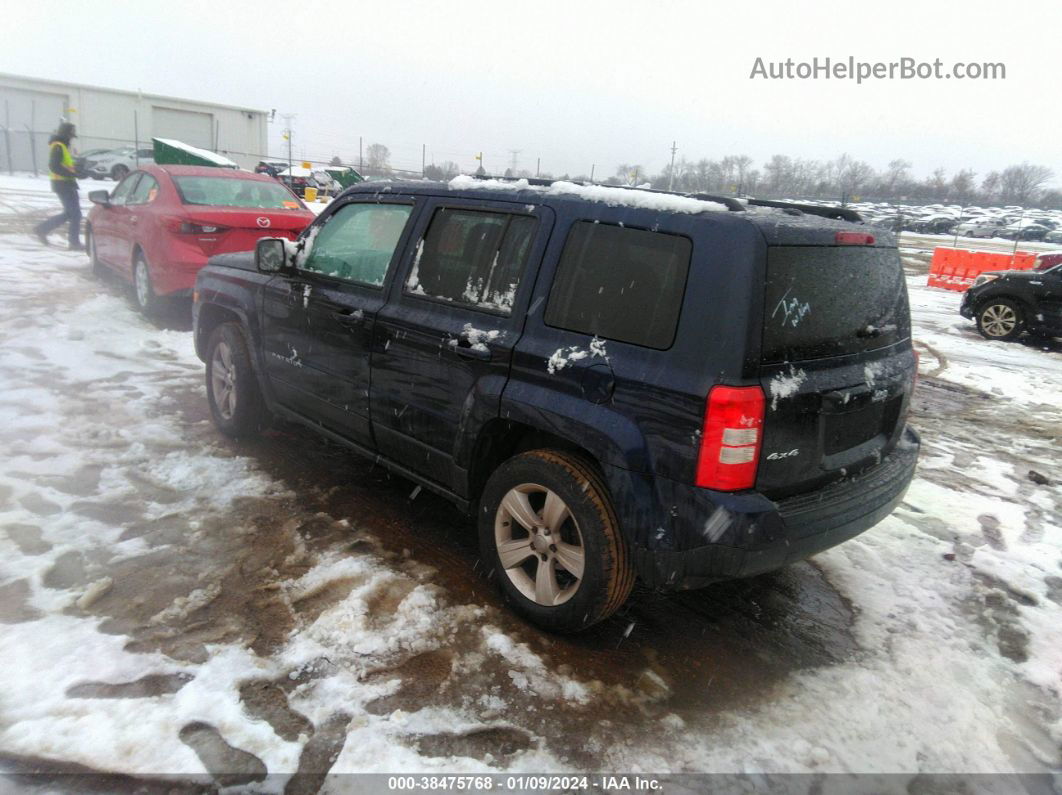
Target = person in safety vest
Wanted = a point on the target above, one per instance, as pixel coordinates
(64, 184)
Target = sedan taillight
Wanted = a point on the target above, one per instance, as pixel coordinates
(183, 227)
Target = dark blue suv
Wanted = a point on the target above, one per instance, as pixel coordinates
(615, 382)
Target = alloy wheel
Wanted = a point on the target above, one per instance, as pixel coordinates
(998, 320)
(223, 380)
(539, 544)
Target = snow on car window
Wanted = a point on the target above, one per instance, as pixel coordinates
(472, 257)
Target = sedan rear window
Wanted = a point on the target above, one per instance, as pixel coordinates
(229, 192)
(620, 283)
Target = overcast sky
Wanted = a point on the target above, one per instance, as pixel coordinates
(577, 83)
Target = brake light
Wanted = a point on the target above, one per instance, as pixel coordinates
(731, 438)
(183, 227)
(853, 239)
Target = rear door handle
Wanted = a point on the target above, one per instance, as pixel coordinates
(349, 318)
(481, 353)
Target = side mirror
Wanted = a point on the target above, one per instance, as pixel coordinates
(100, 197)
(270, 254)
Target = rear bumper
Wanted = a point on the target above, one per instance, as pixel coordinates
(760, 535)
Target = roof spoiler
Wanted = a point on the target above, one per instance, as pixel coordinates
(836, 213)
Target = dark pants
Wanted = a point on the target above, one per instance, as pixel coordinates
(67, 192)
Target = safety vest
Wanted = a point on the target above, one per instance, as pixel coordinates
(68, 161)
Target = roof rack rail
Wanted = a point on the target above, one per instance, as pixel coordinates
(731, 204)
(836, 213)
(529, 180)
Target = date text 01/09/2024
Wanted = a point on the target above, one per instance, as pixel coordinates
(523, 783)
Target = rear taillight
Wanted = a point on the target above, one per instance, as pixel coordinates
(183, 227)
(731, 438)
(853, 239)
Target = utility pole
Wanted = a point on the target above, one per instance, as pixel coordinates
(538, 167)
(287, 117)
(592, 167)
(513, 161)
(671, 175)
(360, 164)
(423, 159)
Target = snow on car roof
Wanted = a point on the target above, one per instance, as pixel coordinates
(614, 197)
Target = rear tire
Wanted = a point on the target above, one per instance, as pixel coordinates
(1000, 319)
(235, 399)
(143, 291)
(550, 538)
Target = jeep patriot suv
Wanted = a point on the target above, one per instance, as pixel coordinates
(615, 382)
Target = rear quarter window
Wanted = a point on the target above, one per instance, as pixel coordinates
(620, 284)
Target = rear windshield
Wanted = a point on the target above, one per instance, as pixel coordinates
(229, 192)
(832, 301)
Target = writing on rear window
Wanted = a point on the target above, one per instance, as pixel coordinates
(831, 301)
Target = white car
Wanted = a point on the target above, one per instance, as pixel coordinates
(116, 163)
(980, 227)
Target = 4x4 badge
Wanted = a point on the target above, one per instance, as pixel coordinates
(779, 456)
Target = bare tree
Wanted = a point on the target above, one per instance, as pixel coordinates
(377, 157)
(963, 186)
(442, 172)
(1024, 184)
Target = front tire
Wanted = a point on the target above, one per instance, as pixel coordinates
(98, 268)
(235, 399)
(550, 538)
(143, 290)
(119, 172)
(1000, 319)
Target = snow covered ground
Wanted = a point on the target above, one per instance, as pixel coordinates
(174, 603)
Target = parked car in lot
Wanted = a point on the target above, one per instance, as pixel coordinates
(270, 167)
(933, 225)
(116, 163)
(613, 382)
(1004, 304)
(159, 226)
(980, 227)
(84, 160)
(1019, 231)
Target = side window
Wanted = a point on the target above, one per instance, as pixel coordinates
(357, 242)
(146, 190)
(473, 257)
(620, 283)
(120, 195)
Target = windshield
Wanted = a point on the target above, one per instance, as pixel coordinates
(229, 192)
(832, 301)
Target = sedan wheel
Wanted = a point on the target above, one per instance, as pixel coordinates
(1000, 319)
(146, 300)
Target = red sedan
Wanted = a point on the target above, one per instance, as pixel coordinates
(162, 223)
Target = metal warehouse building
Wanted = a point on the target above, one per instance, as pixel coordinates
(31, 109)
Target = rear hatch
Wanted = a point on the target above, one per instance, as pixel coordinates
(836, 363)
